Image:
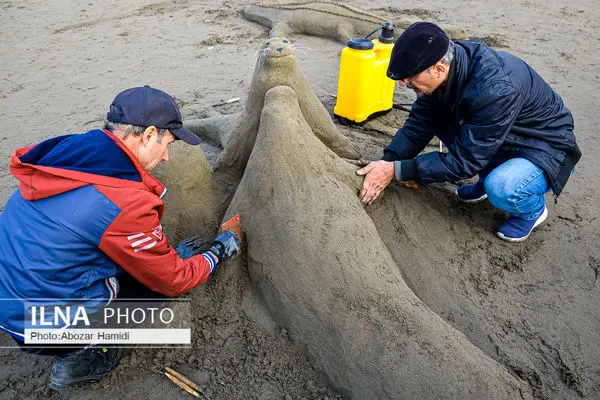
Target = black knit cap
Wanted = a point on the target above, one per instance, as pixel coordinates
(419, 47)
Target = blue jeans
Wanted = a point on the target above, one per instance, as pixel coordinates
(516, 186)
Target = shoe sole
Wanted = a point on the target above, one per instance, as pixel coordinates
(541, 219)
(75, 385)
(477, 200)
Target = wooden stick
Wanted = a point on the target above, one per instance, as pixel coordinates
(183, 379)
(182, 385)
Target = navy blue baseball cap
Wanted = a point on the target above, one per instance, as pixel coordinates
(146, 106)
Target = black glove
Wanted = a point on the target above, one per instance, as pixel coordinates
(226, 246)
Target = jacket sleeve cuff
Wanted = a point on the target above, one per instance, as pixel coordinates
(406, 170)
(212, 261)
(398, 170)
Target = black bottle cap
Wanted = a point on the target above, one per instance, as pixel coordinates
(360, 44)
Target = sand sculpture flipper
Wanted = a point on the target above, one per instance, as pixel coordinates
(214, 129)
(277, 66)
(328, 278)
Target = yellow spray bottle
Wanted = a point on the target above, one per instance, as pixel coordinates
(363, 86)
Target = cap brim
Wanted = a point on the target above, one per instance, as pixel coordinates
(395, 76)
(186, 135)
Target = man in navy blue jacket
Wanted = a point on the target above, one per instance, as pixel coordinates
(499, 119)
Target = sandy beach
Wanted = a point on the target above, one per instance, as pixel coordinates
(532, 308)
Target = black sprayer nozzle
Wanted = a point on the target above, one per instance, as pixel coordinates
(387, 33)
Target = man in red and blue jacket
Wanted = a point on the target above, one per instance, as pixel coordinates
(87, 214)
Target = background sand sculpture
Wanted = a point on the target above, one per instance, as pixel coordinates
(190, 203)
(327, 276)
(276, 66)
(336, 20)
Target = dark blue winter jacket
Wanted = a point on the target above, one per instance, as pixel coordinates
(493, 105)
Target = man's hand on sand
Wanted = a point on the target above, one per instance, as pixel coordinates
(378, 175)
(359, 163)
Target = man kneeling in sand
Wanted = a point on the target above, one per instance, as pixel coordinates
(85, 224)
(498, 118)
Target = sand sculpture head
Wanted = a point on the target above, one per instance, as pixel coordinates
(276, 47)
(276, 52)
(276, 66)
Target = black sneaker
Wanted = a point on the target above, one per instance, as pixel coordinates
(83, 366)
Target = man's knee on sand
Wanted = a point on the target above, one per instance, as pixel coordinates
(517, 186)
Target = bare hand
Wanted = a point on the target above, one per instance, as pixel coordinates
(359, 163)
(378, 175)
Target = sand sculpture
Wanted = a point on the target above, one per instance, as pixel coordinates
(335, 20)
(328, 278)
(190, 204)
(324, 270)
(276, 66)
(368, 316)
